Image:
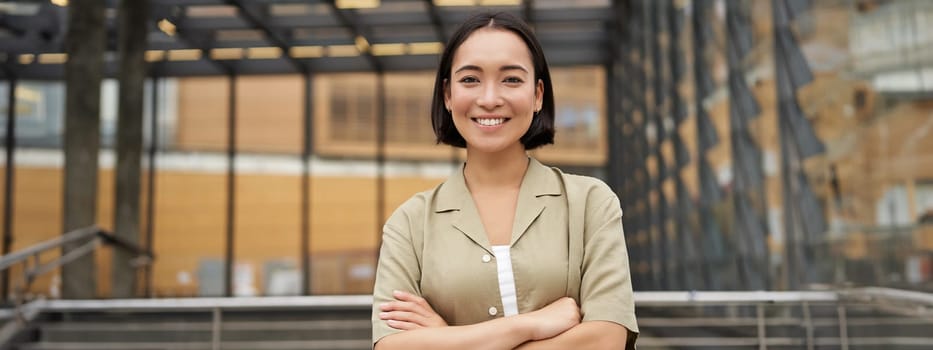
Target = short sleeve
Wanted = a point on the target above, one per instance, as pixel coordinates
(606, 286)
(398, 269)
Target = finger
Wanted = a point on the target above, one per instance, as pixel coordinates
(405, 296)
(399, 305)
(393, 305)
(404, 316)
(406, 306)
(402, 325)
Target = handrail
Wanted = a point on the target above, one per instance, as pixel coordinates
(93, 235)
(11, 259)
(124, 244)
(666, 298)
(361, 302)
(24, 313)
(891, 294)
(642, 299)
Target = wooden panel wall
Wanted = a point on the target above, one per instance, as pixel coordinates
(191, 222)
(202, 114)
(270, 114)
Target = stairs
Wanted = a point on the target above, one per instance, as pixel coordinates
(858, 319)
(221, 323)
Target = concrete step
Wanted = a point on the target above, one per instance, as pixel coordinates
(202, 331)
(228, 345)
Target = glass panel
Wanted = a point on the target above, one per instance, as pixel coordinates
(109, 102)
(347, 103)
(579, 105)
(270, 114)
(343, 225)
(191, 178)
(408, 108)
(190, 248)
(40, 108)
(268, 228)
(4, 106)
(202, 114)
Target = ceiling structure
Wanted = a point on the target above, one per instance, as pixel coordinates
(216, 37)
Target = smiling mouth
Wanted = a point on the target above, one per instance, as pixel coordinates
(490, 121)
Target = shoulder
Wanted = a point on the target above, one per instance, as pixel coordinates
(412, 210)
(588, 183)
(593, 190)
(591, 195)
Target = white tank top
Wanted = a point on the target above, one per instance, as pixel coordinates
(506, 279)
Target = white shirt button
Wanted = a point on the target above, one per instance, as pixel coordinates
(493, 311)
(486, 258)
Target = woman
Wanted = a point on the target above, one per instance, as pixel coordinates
(507, 253)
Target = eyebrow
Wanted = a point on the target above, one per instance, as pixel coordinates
(503, 68)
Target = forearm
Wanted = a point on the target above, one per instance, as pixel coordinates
(592, 335)
(501, 333)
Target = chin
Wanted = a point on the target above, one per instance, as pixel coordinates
(490, 147)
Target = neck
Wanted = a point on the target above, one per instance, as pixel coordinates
(504, 169)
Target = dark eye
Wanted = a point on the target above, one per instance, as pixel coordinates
(469, 80)
(514, 80)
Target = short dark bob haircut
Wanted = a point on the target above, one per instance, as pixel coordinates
(541, 131)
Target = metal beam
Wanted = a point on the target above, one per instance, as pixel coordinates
(271, 36)
(151, 181)
(380, 157)
(307, 151)
(182, 34)
(230, 238)
(556, 43)
(224, 67)
(9, 190)
(563, 16)
(527, 12)
(348, 20)
(436, 21)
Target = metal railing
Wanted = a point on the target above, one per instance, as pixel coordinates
(712, 320)
(33, 267)
(804, 320)
(217, 307)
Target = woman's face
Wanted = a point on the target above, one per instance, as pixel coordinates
(492, 93)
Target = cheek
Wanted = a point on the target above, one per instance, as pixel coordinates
(460, 99)
(520, 98)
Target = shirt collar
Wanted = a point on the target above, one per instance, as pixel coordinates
(538, 180)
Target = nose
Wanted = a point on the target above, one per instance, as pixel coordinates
(490, 98)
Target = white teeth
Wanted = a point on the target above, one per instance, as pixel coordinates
(490, 122)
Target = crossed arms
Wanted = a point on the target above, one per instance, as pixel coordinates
(556, 326)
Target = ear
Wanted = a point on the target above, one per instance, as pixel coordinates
(539, 95)
(447, 93)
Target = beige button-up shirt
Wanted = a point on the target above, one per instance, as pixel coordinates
(567, 240)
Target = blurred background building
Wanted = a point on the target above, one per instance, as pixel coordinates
(676, 104)
(255, 147)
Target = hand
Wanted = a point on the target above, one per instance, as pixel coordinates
(408, 312)
(554, 319)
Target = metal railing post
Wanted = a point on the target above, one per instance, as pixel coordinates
(843, 326)
(762, 336)
(808, 324)
(215, 329)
